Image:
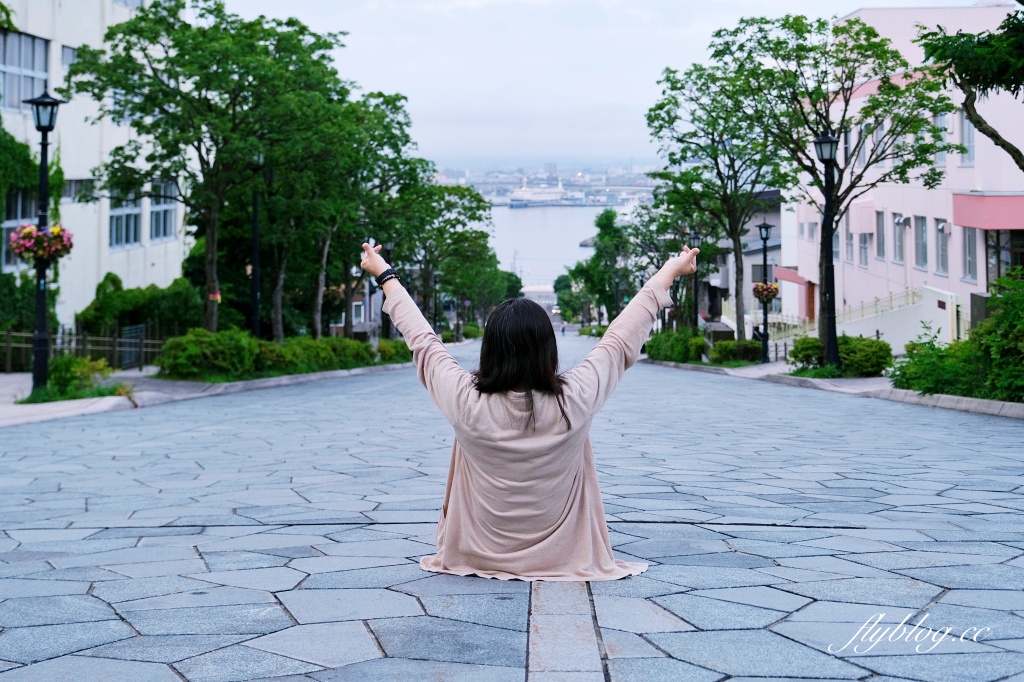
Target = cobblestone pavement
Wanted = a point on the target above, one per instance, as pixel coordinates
(275, 534)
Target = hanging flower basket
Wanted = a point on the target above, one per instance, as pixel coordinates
(31, 245)
(765, 292)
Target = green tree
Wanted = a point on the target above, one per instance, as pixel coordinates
(203, 92)
(606, 275)
(6, 19)
(797, 77)
(718, 160)
(980, 64)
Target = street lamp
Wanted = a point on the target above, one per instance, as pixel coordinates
(766, 232)
(385, 319)
(254, 293)
(44, 112)
(437, 300)
(826, 146)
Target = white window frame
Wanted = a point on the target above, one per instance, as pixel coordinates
(125, 223)
(863, 247)
(966, 139)
(880, 234)
(939, 120)
(970, 254)
(899, 238)
(848, 238)
(74, 189)
(920, 242)
(15, 76)
(941, 247)
(162, 211)
(25, 211)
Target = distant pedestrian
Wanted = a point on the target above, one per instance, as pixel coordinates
(563, 328)
(522, 499)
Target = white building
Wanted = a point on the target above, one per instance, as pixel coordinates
(142, 242)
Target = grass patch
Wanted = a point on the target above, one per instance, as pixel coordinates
(826, 372)
(52, 395)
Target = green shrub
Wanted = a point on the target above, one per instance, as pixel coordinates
(696, 346)
(1001, 339)
(807, 353)
(349, 353)
(68, 375)
(959, 368)
(307, 355)
(670, 346)
(228, 354)
(393, 350)
(272, 358)
(730, 351)
(592, 331)
(447, 336)
(472, 331)
(864, 357)
(114, 306)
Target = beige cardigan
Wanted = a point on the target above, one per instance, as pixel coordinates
(522, 502)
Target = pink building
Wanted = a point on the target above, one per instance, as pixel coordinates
(900, 242)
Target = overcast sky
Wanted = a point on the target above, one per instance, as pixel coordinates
(528, 81)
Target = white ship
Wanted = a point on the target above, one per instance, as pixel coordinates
(525, 197)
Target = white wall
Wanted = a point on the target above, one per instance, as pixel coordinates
(903, 325)
(84, 146)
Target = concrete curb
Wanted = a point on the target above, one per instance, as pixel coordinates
(996, 408)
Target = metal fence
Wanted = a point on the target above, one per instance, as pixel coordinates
(127, 350)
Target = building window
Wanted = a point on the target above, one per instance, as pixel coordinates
(125, 217)
(880, 234)
(899, 224)
(846, 146)
(970, 254)
(967, 140)
(77, 191)
(812, 231)
(802, 229)
(756, 275)
(835, 246)
(23, 69)
(862, 150)
(161, 214)
(68, 56)
(130, 4)
(921, 242)
(940, 122)
(941, 246)
(862, 252)
(849, 240)
(19, 208)
(878, 138)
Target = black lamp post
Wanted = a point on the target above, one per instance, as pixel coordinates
(385, 319)
(826, 146)
(437, 300)
(44, 112)
(254, 293)
(766, 232)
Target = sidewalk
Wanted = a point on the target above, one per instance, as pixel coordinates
(869, 387)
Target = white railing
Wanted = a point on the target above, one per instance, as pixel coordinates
(785, 326)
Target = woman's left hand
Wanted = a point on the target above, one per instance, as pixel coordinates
(372, 261)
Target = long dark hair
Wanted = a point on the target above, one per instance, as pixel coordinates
(519, 351)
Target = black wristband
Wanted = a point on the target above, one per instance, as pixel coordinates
(388, 274)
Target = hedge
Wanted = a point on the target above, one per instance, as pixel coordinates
(234, 355)
(592, 331)
(728, 351)
(393, 351)
(859, 356)
(675, 346)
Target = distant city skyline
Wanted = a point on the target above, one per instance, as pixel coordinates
(493, 82)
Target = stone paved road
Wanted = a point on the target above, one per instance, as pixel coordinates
(275, 534)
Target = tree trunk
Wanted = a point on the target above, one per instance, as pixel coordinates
(318, 295)
(350, 299)
(971, 111)
(277, 304)
(741, 309)
(212, 285)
